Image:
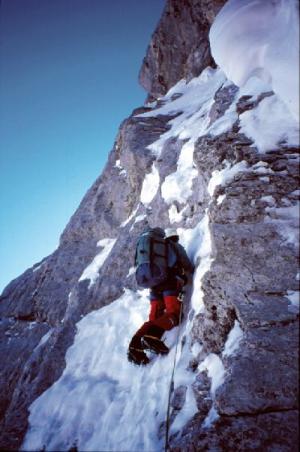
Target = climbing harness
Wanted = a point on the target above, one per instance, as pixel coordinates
(171, 387)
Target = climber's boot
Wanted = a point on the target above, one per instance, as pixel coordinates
(136, 352)
(137, 356)
(152, 341)
(155, 345)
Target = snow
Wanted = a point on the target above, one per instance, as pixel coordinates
(89, 403)
(269, 200)
(204, 257)
(265, 179)
(118, 165)
(233, 340)
(294, 298)
(174, 215)
(186, 412)
(220, 199)
(178, 185)
(224, 176)
(192, 108)
(44, 339)
(130, 272)
(270, 124)
(192, 121)
(92, 270)
(139, 218)
(261, 38)
(150, 186)
(212, 416)
(132, 215)
(215, 370)
(286, 221)
(295, 193)
(35, 269)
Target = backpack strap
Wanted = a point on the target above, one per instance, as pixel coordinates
(167, 250)
(151, 253)
(177, 267)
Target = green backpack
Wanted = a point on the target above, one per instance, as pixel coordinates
(151, 258)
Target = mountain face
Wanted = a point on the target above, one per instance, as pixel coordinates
(218, 162)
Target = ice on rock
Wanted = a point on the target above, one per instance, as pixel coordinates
(233, 340)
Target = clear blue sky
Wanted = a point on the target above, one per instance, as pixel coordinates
(69, 72)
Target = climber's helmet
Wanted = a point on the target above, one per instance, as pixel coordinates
(171, 234)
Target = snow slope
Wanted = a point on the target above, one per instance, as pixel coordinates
(102, 401)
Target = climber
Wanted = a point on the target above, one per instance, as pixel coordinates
(162, 266)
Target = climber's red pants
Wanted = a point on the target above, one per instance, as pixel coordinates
(165, 312)
(164, 315)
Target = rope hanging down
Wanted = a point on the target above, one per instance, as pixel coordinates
(171, 387)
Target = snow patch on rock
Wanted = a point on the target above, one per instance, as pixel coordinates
(270, 124)
(178, 185)
(92, 270)
(233, 340)
(215, 369)
(286, 221)
(150, 186)
(294, 300)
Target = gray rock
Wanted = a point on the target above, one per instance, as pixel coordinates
(273, 386)
(179, 47)
(270, 432)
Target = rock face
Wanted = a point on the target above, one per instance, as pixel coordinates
(179, 48)
(250, 279)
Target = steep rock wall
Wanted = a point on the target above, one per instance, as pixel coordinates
(253, 266)
(179, 48)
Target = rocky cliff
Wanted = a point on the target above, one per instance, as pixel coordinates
(184, 160)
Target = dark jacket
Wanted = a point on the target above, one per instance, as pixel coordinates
(182, 260)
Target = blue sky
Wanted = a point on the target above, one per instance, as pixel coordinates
(69, 76)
